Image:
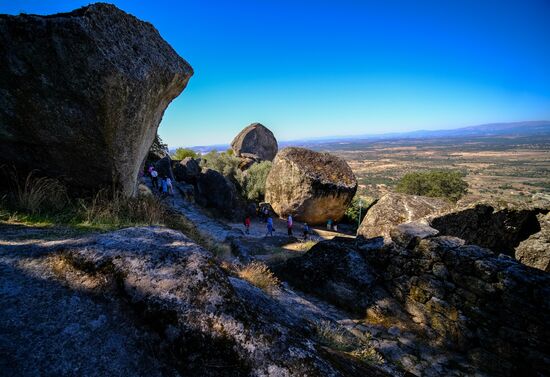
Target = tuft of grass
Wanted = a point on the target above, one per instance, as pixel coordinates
(108, 210)
(338, 338)
(259, 275)
(35, 194)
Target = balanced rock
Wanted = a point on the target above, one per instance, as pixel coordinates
(312, 186)
(256, 142)
(393, 209)
(82, 94)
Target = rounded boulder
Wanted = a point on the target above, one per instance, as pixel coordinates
(255, 142)
(311, 186)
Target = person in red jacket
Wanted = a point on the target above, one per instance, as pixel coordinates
(247, 224)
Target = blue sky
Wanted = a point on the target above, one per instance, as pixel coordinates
(318, 68)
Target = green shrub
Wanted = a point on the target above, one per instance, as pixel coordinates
(437, 183)
(182, 153)
(223, 163)
(254, 181)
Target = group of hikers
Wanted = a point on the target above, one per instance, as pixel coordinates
(164, 186)
(266, 217)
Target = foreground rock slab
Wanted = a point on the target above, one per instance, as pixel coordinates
(82, 94)
(311, 186)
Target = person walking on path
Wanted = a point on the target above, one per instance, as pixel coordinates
(247, 224)
(164, 186)
(329, 224)
(289, 225)
(154, 179)
(335, 227)
(169, 185)
(306, 231)
(269, 226)
(150, 170)
(265, 213)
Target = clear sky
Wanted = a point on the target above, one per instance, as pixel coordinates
(311, 68)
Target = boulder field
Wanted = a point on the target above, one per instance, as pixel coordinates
(82, 94)
(311, 186)
(453, 297)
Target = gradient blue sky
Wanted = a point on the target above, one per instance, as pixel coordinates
(316, 68)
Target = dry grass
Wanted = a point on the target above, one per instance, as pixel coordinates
(338, 338)
(36, 194)
(117, 210)
(259, 275)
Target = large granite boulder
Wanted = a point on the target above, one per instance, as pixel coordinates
(217, 192)
(255, 143)
(187, 170)
(311, 186)
(489, 310)
(393, 209)
(82, 94)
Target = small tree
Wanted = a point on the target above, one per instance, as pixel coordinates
(254, 181)
(182, 153)
(448, 184)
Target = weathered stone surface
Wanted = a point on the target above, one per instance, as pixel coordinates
(409, 234)
(393, 209)
(535, 250)
(147, 300)
(82, 94)
(500, 230)
(256, 142)
(491, 309)
(312, 186)
(187, 170)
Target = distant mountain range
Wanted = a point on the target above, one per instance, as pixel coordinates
(529, 128)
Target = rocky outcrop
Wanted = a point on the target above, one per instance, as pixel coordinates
(255, 143)
(177, 309)
(187, 170)
(216, 192)
(462, 298)
(499, 229)
(535, 250)
(82, 94)
(394, 208)
(312, 186)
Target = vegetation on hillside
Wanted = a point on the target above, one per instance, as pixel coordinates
(357, 209)
(448, 184)
(182, 153)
